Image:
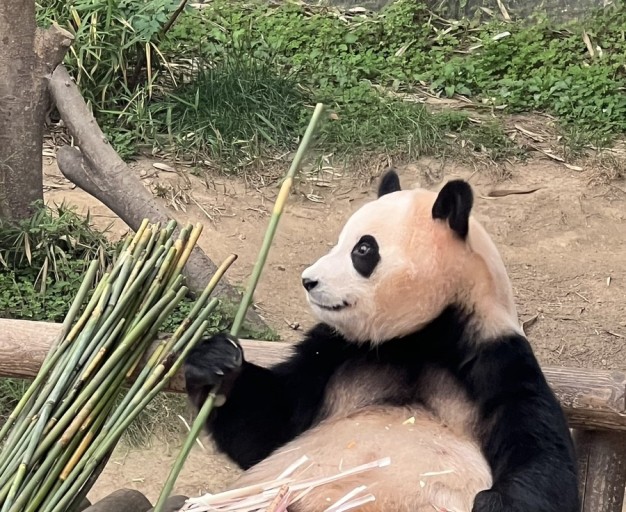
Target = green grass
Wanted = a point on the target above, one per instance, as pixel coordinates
(235, 82)
(540, 66)
(235, 110)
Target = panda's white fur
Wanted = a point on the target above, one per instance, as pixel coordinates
(434, 462)
(418, 357)
(425, 269)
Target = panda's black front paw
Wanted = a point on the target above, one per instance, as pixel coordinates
(212, 360)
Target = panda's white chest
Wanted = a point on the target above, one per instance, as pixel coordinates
(355, 388)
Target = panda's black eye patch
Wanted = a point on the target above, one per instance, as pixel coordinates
(365, 255)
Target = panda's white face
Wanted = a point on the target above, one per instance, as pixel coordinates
(395, 268)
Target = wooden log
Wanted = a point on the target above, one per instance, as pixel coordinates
(123, 500)
(592, 399)
(173, 503)
(99, 171)
(602, 469)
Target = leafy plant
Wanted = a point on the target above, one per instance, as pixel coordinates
(52, 245)
(115, 54)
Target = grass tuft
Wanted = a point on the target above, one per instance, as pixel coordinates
(233, 111)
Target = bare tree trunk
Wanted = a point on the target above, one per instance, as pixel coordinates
(27, 55)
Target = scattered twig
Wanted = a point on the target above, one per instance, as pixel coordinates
(508, 192)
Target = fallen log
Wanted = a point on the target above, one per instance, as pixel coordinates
(592, 399)
(98, 170)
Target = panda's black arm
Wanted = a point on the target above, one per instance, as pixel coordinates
(526, 437)
(266, 408)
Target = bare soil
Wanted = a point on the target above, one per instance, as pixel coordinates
(563, 245)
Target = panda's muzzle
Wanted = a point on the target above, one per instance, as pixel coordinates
(338, 307)
(310, 285)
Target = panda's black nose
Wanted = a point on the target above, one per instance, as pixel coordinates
(309, 284)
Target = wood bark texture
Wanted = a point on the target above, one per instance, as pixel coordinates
(28, 55)
(592, 399)
(99, 171)
(602, 469)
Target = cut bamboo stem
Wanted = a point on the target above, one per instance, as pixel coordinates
(279, 205)
(66, 425)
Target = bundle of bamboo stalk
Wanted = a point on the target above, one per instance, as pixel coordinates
(61, 433)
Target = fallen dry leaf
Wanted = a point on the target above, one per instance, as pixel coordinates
(163, 167)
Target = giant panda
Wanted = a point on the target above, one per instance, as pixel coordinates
(418, 356)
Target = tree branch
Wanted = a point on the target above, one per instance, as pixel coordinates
(100, 171)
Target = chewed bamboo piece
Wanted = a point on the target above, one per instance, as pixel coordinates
(279, 494)
(69, 420)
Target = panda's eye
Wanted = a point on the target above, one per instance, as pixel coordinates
(365, 256)
(363, 249)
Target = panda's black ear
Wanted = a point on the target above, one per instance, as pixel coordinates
(389, 183)
(454, 204)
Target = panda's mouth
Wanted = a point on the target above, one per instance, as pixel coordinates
(336, 307)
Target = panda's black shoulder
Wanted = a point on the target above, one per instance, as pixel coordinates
(320, 345)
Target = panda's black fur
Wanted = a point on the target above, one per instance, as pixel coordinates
(523, 432)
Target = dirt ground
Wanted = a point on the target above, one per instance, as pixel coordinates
(563, 245)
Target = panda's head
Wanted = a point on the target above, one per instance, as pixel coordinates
(402, 259)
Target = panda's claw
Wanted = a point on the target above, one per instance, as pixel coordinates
(213, 359)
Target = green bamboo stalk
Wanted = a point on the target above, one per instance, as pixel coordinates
(95, 395)
(43, 480)
(180, 336)
(84, 341)
(155, 285)
(108, 367)
(48, 362)
(85, 286)
(138, 235)
(142, 242)
(189, 244)
(125, 299)
(128, 266)
(112, 384)
(279, 205)
(27, 459)
(93, 302)
(74, 404)
(11, 464)
(132, 397)
(54, 463)
(156, 232)
(91, 366)
(58, 380)
(86, 465)
(136, 268)
(184, 331)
